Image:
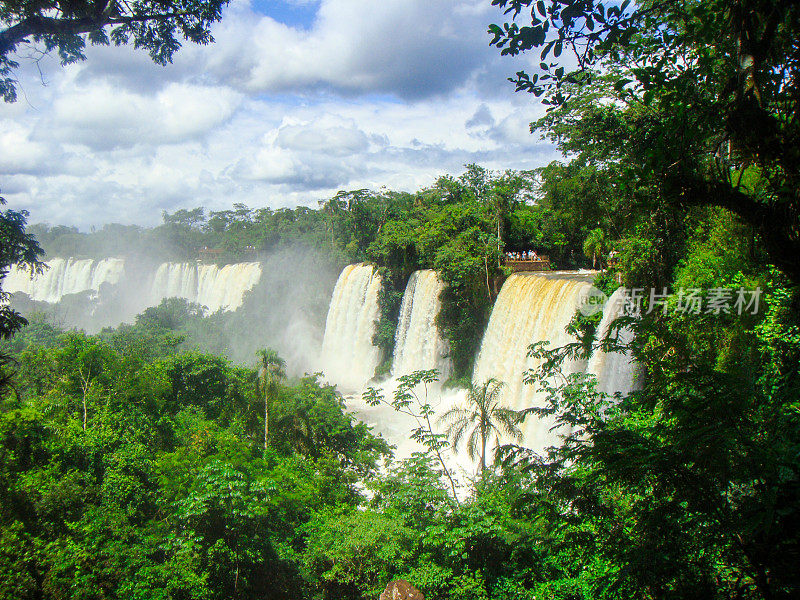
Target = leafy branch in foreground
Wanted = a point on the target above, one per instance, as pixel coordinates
(689, 484)
(405, 400)
(698, 97)
(16, 248)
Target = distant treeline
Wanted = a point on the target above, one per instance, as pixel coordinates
(524, 210)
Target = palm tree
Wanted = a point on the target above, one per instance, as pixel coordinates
(484, 417)
(271, 372)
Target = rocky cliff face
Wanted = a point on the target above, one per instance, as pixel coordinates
(400, 589)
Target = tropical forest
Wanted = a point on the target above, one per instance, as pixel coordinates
(565, 378)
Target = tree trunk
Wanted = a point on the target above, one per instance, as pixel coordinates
(488, 284)
(499, 242)
(483, 447)
(777, 222)
(85, 384)
(266, 418)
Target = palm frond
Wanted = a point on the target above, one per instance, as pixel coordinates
(473, 443)
(508, 421)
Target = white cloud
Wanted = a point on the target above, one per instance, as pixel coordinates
(335, 141)
(103, 117)
(18, 153)
(410, 48)
(370, 94)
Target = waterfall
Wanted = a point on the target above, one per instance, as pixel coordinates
(349, 358)
(530, 308)
(64, 276)
(209, 285)
(615, 371)
(418, 344)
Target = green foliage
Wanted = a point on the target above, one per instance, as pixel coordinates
(353, 554)
(694, 99)
(578, 201)
(16, 248)
(127, 474)
(460, 227)
(271, 372)
(484, 416)
(457, 227)
(129, 468)
(683, 111)
(410, 398)
(389, 301)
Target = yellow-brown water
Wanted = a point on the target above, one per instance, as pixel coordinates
(530, 308)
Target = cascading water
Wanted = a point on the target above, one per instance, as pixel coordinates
(530, 308)
(64, 276)
(418, 344)
(615, 371)
(209, 285)
(348, 357)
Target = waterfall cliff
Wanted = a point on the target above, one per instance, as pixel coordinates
(615, 371)
(64, 276)
(530, 308)
(418, 344)
(209, 285)
(348, 357)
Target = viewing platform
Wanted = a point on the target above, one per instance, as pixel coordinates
(210, 253)
(540, 263)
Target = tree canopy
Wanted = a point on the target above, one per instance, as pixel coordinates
(65, 27)
(701, 97)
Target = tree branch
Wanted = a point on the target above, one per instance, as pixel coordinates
(11, 37)
(778, 223)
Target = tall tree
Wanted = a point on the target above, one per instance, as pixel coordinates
(480, 419)
(271, 373)
(66, 25)
(16, 248)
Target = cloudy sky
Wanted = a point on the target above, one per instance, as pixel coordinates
(296, 99)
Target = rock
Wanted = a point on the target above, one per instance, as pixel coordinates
(400, 589)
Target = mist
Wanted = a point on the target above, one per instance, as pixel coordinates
(281, 305)
(286, 310)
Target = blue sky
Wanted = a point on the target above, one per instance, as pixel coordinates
(295, 14)
(294, 101)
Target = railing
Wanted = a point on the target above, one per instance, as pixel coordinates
(540, 263)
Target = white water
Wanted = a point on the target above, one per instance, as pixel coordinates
(64, 276)
(530, 308)
(615, 371)
(348, 357)
(209, 285)
(418, 344)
